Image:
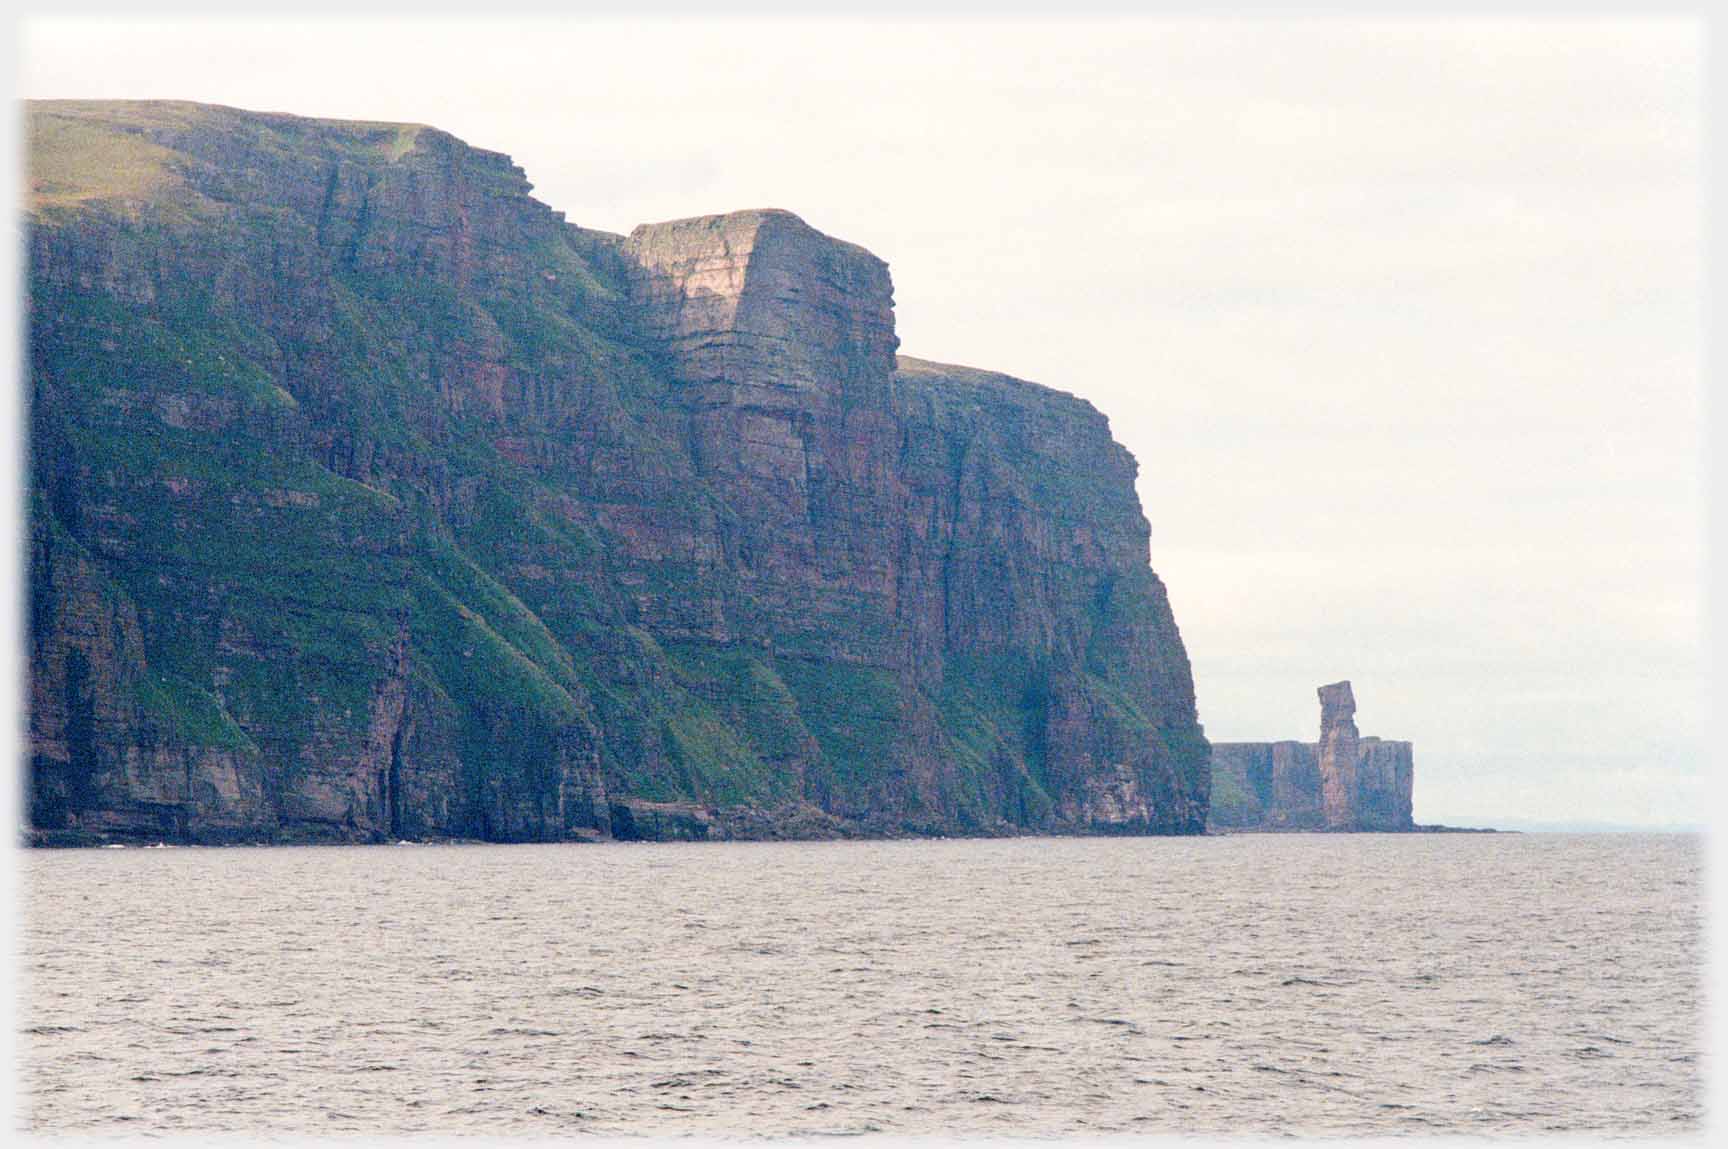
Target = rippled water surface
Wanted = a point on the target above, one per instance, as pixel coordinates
(1246, 984)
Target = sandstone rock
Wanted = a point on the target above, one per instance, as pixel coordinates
(1338, 748)
(380, 502)
(1342, 782)
(1385, 774)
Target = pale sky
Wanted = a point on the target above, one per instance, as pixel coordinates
(1400, 317)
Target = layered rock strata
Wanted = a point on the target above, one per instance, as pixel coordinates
(1345, 781)
(1340, 743)
(370, 499)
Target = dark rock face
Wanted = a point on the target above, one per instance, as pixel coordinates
(1385, 773)
(371, 500)
(1343, 782)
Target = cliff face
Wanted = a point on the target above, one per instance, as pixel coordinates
(1342, 782)
(370, 499)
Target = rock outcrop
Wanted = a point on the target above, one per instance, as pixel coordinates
(1337, 750)
(1342, 782)
(370, 499)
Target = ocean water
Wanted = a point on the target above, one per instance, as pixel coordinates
(1254, 984)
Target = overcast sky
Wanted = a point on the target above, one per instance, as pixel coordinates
(1401, 318)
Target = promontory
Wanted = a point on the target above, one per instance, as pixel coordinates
(370, 499)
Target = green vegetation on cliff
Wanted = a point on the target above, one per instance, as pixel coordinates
(364, 503)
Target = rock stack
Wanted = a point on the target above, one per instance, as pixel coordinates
(1345, 781)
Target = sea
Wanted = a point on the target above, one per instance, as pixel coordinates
(1229, 986)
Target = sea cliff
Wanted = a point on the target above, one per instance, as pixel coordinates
(371, 499)
(1344, 781)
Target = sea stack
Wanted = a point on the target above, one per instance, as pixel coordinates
(1339, 744)
(1345, 781)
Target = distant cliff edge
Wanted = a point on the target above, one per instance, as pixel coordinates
(369, 499)
(1342, 782)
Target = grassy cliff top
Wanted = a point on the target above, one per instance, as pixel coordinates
(926, 370)
(81, 152)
